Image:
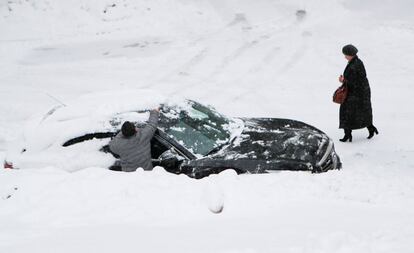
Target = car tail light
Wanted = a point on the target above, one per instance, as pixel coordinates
(8, 165)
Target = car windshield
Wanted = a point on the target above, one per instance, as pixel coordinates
(198, 128)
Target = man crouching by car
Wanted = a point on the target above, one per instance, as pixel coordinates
(133, 145)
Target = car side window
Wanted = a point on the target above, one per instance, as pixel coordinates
(157, 148)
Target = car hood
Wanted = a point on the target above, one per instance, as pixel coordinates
(271, 138)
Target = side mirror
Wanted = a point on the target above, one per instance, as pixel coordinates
(170, 159)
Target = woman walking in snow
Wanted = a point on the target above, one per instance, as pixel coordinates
(355, 112)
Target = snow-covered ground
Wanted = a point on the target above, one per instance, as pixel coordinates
(247, 58)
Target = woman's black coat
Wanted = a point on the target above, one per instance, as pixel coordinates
(356, 111)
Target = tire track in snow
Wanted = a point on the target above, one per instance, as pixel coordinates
(227, 60)
(266, 60)
(190, 64)
(269, 57)
(184, 69)
(297, 55)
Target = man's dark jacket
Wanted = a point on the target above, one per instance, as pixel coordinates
(135, 151)
(356, 111)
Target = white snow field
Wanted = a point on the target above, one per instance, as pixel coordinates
(263, 58)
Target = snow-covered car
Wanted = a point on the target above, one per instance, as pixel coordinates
(191, 138)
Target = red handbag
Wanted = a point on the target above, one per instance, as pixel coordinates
(340, 94)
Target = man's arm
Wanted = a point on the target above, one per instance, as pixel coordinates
(114, 143)
(148, 131)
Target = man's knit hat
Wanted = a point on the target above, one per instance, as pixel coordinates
(128, 129)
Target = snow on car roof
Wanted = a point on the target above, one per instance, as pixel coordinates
(90, 113)
(108, 103)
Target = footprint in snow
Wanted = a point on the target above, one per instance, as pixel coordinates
(359, 155)
(10, 194)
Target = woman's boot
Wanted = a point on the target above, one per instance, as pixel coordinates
(347, 136)
(372, 131)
